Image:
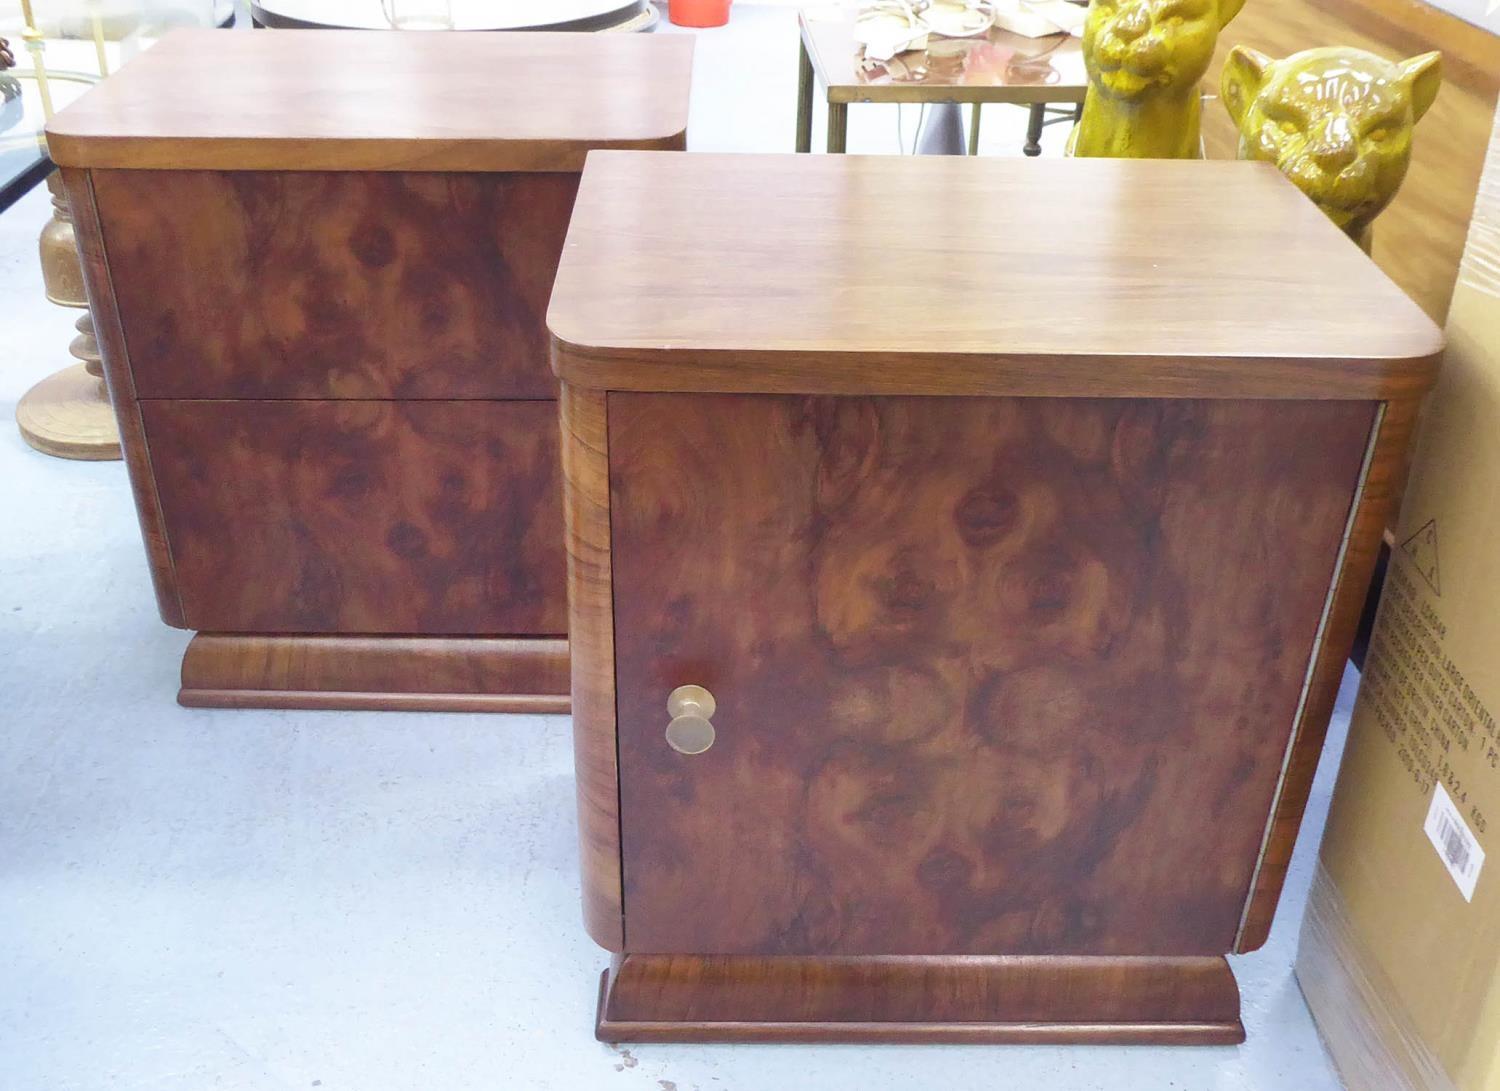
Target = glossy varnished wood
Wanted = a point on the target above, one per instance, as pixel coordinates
(1051, 1000)
(104, 307)
(993, 675)
(335, 284)
(1420, 237)
(1066, 277)
(584, 416)
(375, 101)
(1031, 672)
(1373, 511)
(362, 517)
(408, 674)
(319, 263)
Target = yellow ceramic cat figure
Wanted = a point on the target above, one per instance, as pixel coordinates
(1145, 59)
(1336, 121)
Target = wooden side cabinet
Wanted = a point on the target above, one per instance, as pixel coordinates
(963, 556)
(319, 263)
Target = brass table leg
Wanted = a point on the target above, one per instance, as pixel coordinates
(804, 97)
(1033, 145)
(838, 125)
(974, 129)
(68, 414)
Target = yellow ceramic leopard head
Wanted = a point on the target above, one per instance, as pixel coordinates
(1136, 47)
(1336, 121)
(1145, 59)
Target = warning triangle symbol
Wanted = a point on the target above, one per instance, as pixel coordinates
(1422, 548)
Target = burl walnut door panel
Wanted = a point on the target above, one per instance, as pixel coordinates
(363, 517)
(335, 285)
(993, 676)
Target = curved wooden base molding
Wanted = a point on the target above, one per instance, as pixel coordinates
(395, 673)
(730, 998)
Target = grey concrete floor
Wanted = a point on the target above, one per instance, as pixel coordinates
(360, 902)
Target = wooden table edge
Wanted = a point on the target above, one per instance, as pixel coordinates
(90, 151)
(722, 371)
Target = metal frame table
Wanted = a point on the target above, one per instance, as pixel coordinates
(15, 184)
(999, 68)
(23, 153)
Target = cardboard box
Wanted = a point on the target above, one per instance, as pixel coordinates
(1400, 950)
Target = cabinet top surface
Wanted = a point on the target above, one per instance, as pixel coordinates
(852, 274)
(377, 100)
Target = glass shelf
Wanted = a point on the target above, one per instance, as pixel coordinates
(82, 41)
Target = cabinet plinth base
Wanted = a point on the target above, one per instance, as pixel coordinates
(738, 998)
(394, 673)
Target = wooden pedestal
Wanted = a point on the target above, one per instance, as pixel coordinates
(954, 638)
(401, 674)
(976, 999)
(67, 415)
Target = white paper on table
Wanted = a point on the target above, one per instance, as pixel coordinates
(1039, 18)
(883, 36)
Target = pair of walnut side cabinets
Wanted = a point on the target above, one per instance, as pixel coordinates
(963, 560)
(319, 263)
(961, 555)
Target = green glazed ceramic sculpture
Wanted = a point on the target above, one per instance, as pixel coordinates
(1336, 121)
(1145, 59)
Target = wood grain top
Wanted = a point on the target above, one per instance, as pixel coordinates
(928, 275)
(373, 100)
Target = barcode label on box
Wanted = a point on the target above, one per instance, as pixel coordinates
(1455, 843)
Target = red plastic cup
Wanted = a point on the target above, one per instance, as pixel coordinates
(698, 13)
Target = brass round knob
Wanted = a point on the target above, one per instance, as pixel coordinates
(691, 731)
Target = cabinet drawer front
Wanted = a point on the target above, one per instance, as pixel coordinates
(363, 517)
(335, 285)
(988, 676)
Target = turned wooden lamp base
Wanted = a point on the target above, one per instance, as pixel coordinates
(392, 673)
(974, 999)
(68, 415)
